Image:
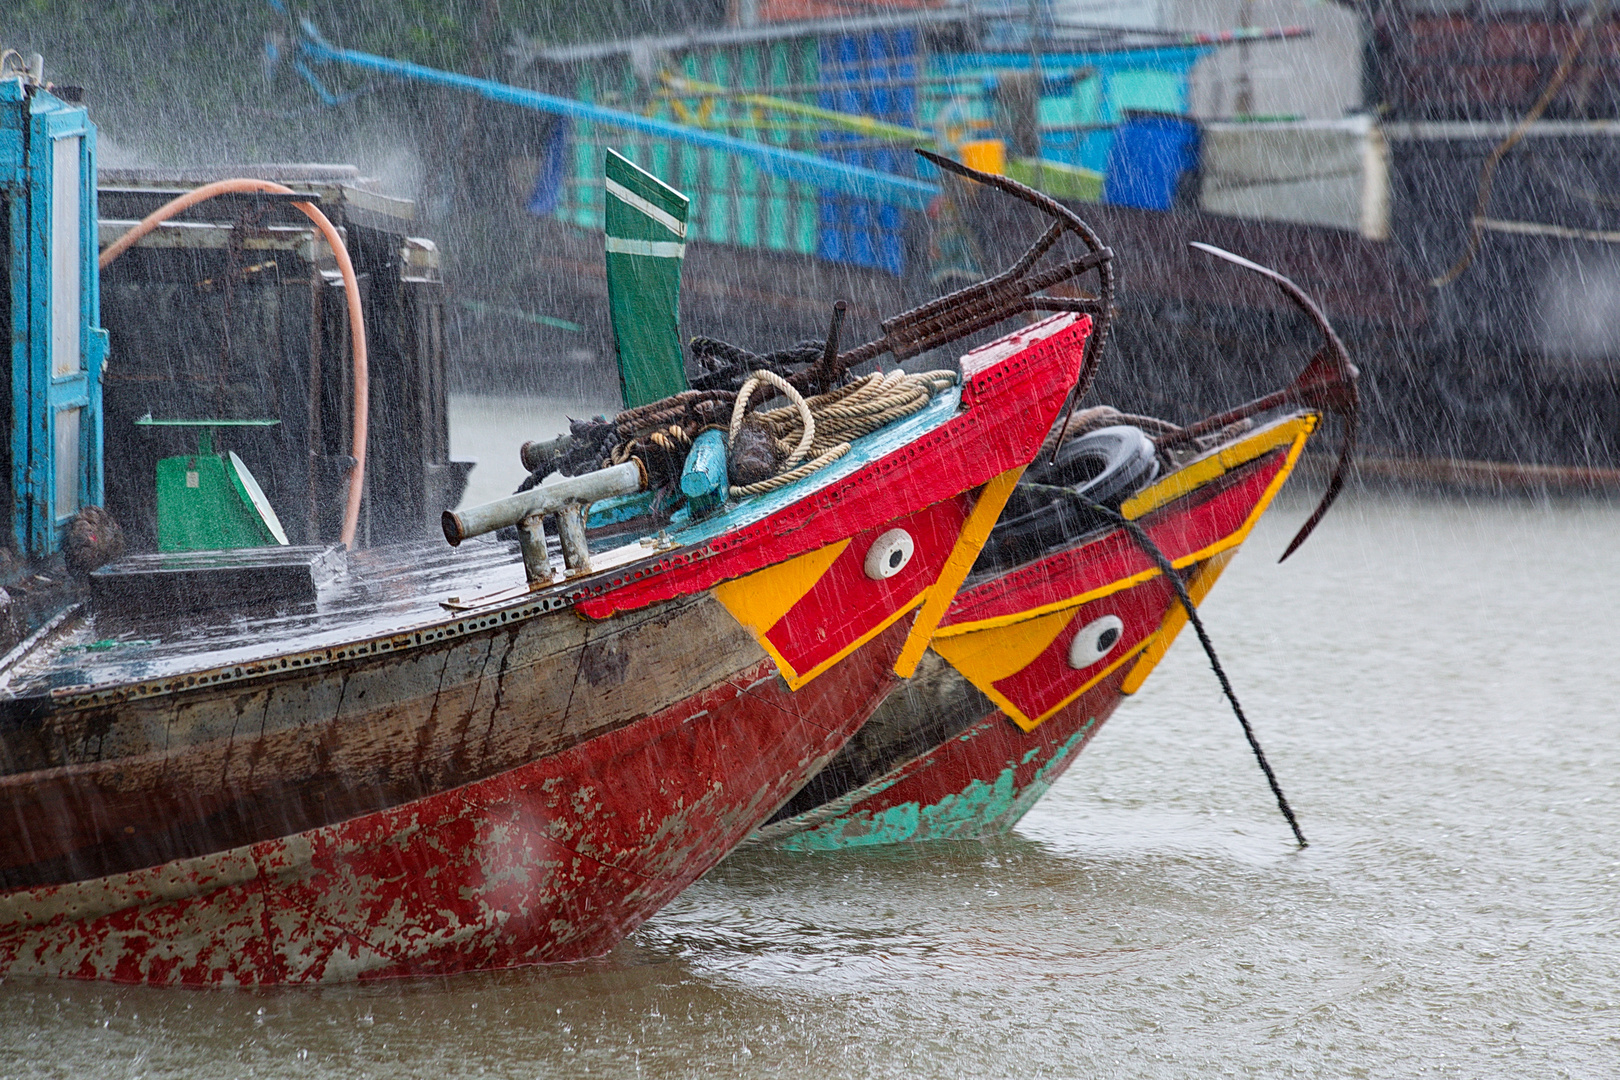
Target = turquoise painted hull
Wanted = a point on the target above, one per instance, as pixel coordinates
(980, 777)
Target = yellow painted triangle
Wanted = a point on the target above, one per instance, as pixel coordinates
(970, 541)
(987, 657)
(759, 600)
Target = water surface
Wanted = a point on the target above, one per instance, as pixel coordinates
(1437, 685)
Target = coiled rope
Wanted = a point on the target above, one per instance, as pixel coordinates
(806, 417)
(1146, 543)
(821, 428)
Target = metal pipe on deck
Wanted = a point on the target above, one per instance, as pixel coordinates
(576, 491)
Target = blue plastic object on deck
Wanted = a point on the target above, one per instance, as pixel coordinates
(703, 479)
(1149, 157)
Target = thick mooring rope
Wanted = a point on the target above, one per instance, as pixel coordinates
(807, 418)
(821, 428)
(1146, 543)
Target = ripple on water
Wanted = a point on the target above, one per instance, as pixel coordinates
(1435, 683)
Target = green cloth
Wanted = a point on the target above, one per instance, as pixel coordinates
(646, 240)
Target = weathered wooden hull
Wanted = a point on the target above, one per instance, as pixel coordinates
(231, 764)
(556, 859)
(997, 712)
(523, 781)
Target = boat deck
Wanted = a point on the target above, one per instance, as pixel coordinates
(383, 593)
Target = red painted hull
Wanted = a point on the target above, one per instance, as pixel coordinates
(998, 712)
(523, 782)
(555, 860)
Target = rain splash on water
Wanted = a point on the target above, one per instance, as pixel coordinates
(1432, 679)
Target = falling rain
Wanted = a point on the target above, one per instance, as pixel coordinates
(701, 537)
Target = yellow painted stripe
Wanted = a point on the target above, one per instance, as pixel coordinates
(1197, 473)
(1013, 617)
(1174, 620)
(1224, 550)
(763, 598)
(1170, 629)
(795, 680)
(1298, 429)
(994, 654)
(1017, 715)
(1032, 724)
(759, 600)
(969, 542)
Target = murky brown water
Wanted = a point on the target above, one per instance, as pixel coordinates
(1438, 686)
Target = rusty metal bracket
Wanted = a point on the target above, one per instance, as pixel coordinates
(1011, 292)
(1327, 384)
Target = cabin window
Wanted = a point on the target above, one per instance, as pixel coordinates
(65, 274)
(67, 462)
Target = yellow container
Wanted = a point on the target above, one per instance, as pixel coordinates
(986, 155)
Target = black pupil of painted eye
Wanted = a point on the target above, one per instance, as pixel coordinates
(894, 558)
(1106, 639)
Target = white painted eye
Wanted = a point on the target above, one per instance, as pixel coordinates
(889, 554)
(1094, 641)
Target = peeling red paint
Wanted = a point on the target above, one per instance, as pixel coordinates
(513, 786)
(554, 860)
(871, 794)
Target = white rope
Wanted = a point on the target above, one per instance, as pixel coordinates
(825, 425)
(740, 409)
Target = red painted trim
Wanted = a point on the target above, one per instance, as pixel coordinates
(555, 860)
(1178, 529)
(994, 744)
(845, 604)
(1048, 679)
(1007, 410)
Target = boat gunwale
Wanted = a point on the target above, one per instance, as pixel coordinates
(1184, 497)
(1189, 484)
(974, 388)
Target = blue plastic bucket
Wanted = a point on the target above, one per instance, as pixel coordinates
(1150, 155)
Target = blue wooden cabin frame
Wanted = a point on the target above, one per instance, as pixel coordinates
(58, 350)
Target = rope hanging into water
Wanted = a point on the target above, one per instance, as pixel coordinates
(821, 428)
(1146, 543)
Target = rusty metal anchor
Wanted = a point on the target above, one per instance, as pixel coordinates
(1011, 292)
(1327, 383)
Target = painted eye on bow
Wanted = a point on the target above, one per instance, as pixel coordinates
(889, 554)
(1095, 640)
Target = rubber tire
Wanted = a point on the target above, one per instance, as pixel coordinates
(1107, 466)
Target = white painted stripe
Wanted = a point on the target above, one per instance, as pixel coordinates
(658, 249)
(652, 210)
(1536, 228)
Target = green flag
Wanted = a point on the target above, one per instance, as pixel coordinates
(646, 240)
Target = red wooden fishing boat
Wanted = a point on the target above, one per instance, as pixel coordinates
(1065, 615)
(282, 766)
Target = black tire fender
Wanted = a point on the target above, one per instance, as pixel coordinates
(1107, 466)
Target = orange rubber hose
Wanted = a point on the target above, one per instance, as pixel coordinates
(351, 290)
